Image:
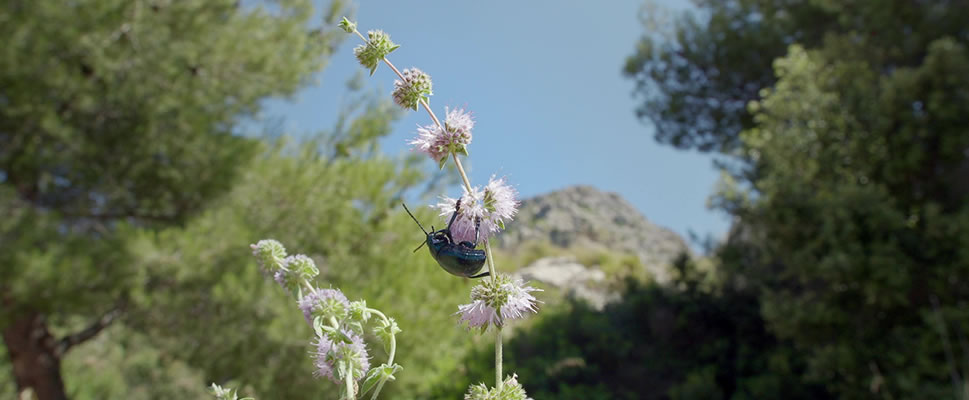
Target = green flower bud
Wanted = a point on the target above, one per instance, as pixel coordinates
(378, 46)
(347, 26)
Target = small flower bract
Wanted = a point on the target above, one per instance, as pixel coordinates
(510, 390)
(497, 300)
(440, 143)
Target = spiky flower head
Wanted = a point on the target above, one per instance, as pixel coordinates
(483, 210)
(324, 303)
(378, 46)
(294, 270)
(270, 253)
(510, 390)
(415, 87)
(497, 300)
(302, 266)
(439, 143)
(347, 25)
(332, 353)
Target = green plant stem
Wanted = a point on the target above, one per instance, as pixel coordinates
(390, 357)
(309, 287)
(349, 375)
(498, 380)
(393, 339)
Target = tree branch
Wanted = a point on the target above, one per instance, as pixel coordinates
(69, 341)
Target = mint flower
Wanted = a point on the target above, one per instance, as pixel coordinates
(329, 355)
(378, 46)
(415, 87)
(440, 143)
(485, 210)
(324, 303)
(302, 266)
(510, 390)
(270, 254)
(497, 300)
(293, 270)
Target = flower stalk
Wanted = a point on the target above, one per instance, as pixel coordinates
(499, 298)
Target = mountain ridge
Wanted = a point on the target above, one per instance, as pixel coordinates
(586, 217)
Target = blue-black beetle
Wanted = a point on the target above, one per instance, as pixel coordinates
(461, 259)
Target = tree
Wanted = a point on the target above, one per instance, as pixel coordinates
(850, 202)
(118, 115)
(861, 219)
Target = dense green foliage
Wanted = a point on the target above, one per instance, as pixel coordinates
(119, 112)
(851, 193)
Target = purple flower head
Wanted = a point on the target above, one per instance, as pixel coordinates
(415, 87)
(498, 300)
(324, 303)
(440, 143)
(329, 353)
(487, 210)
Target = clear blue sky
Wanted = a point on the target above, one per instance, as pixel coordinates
(543, 79)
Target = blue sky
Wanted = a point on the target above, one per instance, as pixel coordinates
(543, 79)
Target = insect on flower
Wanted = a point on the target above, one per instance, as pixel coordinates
(460, 259)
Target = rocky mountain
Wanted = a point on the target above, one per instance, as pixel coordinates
(583, 216)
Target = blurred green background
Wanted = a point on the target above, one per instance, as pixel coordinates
(129, 196)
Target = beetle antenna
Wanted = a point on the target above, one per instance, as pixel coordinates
(415, 220)
(419, 247)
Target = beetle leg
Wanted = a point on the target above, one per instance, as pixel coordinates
(481, 275)
(477, 226)
(457, 207)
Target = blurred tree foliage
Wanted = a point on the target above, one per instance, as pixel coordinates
(116, 124)
(851, 124)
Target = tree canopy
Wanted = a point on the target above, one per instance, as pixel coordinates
(851, 122)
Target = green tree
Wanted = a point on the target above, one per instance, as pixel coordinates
(117, 116)
(861, 218)
(852, 125)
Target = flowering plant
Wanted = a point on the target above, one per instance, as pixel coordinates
(340, 353)
(482, 213)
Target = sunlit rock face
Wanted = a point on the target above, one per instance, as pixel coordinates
(583, 216)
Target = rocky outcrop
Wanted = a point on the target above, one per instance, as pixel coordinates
(583, 216)
(574, 279)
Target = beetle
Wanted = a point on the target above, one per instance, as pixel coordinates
(460, 259)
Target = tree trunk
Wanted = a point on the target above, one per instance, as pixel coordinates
(34, 357)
